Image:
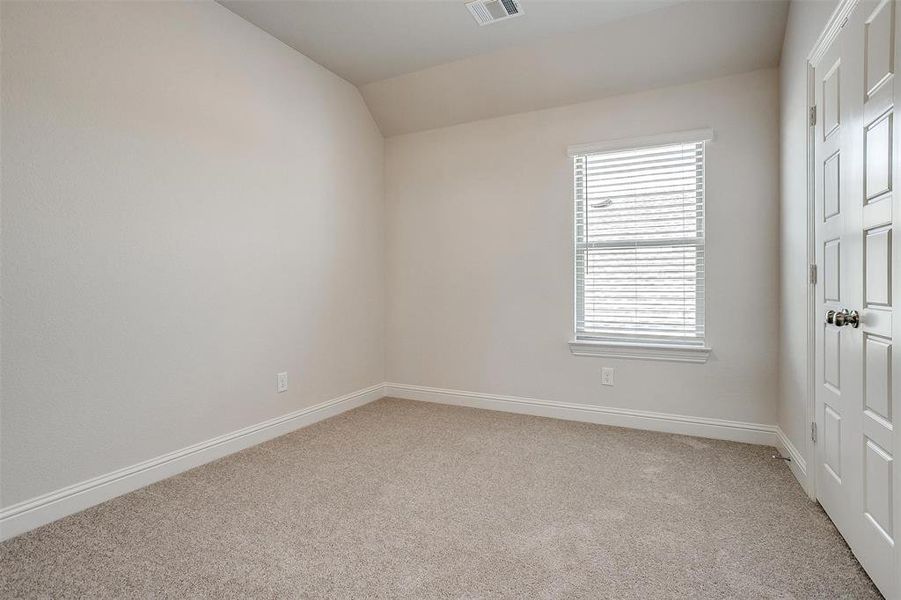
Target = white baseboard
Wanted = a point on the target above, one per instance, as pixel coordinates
(798, 464)
(44, 509)
(736, 431)
(27, 515)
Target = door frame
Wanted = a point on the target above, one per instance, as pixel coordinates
(827, 36)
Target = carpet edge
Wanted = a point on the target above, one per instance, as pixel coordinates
(720, 429)
(46, 508)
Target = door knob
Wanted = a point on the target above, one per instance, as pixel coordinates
(843, 318)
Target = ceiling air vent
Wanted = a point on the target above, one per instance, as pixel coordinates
(489, 11)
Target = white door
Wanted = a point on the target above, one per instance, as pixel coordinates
(853, 182)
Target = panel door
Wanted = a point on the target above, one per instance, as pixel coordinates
(835, 252)
(855, 141)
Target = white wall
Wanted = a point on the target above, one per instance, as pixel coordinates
(189, 207)
(805, 22)
(479, 220)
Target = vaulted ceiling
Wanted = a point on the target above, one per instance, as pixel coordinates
(422, 64)
(370, 40)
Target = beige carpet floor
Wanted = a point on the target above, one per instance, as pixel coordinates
(401, 499)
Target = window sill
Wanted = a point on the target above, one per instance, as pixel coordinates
(671, 353)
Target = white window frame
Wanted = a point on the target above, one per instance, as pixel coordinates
(675, 352)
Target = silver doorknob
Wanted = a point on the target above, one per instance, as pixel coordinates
(843, 318)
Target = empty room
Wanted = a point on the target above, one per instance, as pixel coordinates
(445, 299)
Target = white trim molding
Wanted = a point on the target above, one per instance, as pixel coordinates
(797, 464)
(720, 429)
(27, 515)
(33, 513)
(830, 32)
(678, 137)
(667, 352)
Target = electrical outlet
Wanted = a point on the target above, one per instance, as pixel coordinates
(282, 382)
(607, 376)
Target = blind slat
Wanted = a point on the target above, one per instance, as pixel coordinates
(643, 166)
(639, 236)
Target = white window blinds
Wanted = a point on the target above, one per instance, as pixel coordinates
(639, 243)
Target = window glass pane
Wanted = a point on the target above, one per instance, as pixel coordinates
(640, 244)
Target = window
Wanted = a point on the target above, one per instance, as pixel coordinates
(639, 248)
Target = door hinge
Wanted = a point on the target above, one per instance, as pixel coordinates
(812, 116)
(813, 432)
(812, 274)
